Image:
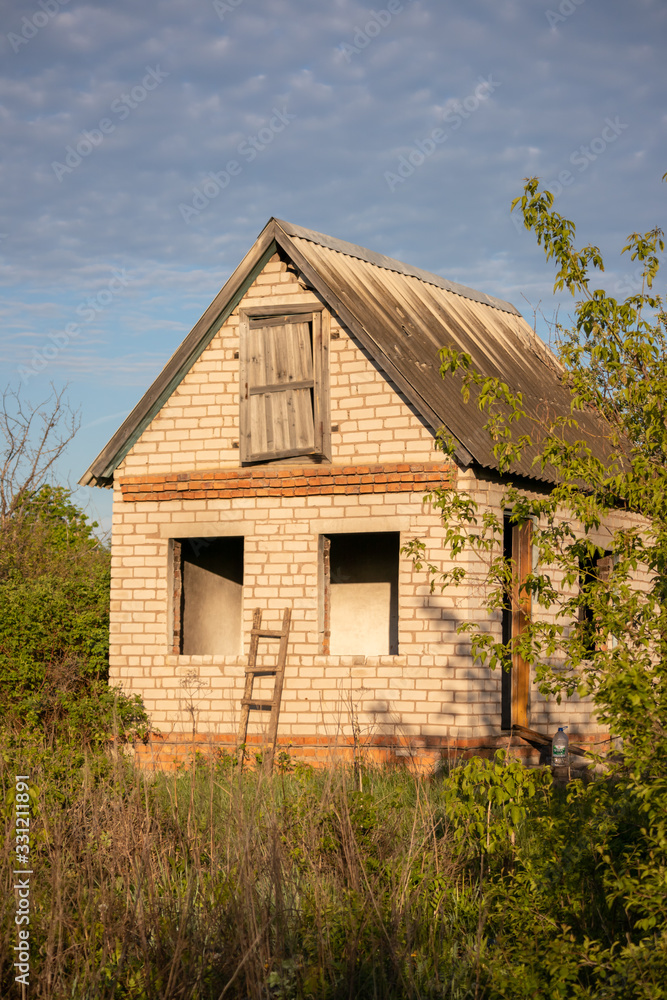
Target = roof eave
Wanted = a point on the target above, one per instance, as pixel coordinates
(278, 233)
(391, 264)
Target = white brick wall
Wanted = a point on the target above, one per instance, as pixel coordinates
(432, 688)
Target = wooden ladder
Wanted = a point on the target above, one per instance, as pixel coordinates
(248, 702)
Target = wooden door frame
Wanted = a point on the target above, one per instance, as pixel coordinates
(521, 609)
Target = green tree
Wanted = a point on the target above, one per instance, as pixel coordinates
(32, 439)
(607, 631)
(54, 626)
(47, 533)
(614, 363)
(54, 590)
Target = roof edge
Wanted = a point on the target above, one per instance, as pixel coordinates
(276, 233)
(462, 454)
(390, 264)
(100, 472)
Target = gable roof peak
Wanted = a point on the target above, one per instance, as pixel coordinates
(400, 315)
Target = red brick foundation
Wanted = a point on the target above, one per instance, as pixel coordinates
(422, 754)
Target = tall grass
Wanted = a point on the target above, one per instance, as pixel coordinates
(207, 884)
(211, 884)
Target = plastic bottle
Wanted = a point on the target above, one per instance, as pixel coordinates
(560, 756)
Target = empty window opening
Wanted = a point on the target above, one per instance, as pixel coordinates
(208, 596)
(360, 613)
(593, 570)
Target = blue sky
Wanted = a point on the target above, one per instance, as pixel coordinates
(144, 147)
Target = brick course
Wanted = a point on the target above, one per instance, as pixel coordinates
(311, 480)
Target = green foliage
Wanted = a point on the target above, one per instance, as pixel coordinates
(54, 625)
(578, 909)
(607, 634)
(566, 920)
(487, 802)
(487, 883)
(46, 534)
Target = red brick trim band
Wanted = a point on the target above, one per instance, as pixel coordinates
(289, 481)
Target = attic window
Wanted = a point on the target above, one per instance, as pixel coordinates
(284, 385)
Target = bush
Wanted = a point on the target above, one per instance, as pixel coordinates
(54, 625)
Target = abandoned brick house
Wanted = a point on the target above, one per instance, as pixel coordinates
(279, 461)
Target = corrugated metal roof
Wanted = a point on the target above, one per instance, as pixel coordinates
(402, 316)
(409, 318)
(361, 253)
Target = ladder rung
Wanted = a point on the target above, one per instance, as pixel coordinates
(261, 671)
(257, 702)
(261, 634)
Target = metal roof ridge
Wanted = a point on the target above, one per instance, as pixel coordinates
(391, 264)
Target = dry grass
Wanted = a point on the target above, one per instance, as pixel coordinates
(209, 885)
(206, 885)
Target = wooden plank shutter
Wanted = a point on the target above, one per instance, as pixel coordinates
(279, 388)
(177, 607)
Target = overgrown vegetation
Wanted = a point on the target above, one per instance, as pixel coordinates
(54, 626)
(54, 594)
(605, 634)
(484, 883)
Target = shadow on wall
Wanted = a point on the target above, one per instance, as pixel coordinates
(384, 702)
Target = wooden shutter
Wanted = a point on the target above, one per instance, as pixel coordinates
(280, 404)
